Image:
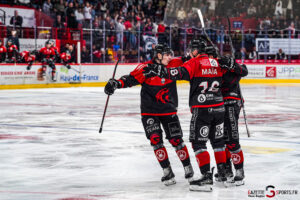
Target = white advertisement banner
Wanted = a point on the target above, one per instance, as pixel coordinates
(268, 46)
(18, 75)
(27, 15)
(273, 71)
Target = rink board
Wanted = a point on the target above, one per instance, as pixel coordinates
(15, 76)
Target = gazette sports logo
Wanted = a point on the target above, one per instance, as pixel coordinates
(271, 192)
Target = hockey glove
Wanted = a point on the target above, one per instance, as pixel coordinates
(226, 62)
(186, 58)
(153, 70)
(111, 86)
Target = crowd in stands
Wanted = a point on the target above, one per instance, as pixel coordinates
(124, 20)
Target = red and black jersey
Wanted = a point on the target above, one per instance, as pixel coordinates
(65, 57)
(3, 49)
(26, 57)
(56, 50)
(158, 95)
(2, 53)
(230, 83)
(47, 53)
(205, 76)
(12, 51)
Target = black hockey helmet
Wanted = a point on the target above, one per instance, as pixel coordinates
(48, 42)
(9, 40)
(198, 44)
(162, 49)
(210, 50)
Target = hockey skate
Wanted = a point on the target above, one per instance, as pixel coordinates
(239, 177)
(189, 173)
(228, 173)
(168, 177)
(203, 184)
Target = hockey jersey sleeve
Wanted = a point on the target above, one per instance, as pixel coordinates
(136, 77)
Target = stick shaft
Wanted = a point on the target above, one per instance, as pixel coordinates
(107, 100)
(240, 90)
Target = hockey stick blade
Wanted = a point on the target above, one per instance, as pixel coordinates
(107, 100)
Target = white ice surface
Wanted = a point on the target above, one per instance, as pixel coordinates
(50, 147)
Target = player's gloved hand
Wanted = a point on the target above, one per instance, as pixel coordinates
(153, 70)
(227, 62)
(68, 66)
(111, 86)
(28, 67)
(186, 58)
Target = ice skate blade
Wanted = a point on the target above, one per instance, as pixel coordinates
(170, 182)
(233, 183)
(201, 188)
(239, 183)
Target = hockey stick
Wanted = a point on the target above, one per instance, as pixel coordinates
(203, 28)
(107, 100)
(233, 55)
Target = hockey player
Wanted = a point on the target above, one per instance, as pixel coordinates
(12, 52)
(3, 51)
(27, 57)
(207, 106)
(47, 56)
(66, 58)
(232, 99)
(159, 103)
(56, 51)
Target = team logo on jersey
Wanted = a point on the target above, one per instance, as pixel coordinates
(160, 155)
(150, 121)
(181, 154)
(204, 131)
(219, 131)
(213, 62)
(162, 95)
(163, 80)
(236, 158)
(201, 98)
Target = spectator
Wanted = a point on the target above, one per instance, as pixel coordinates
(119, 29)
(181, 15)
(87, 11)
(71, 19)
(14, 38)
(85, 55)
(280, 55)
(58, 23)
(47, 7)
(60, 7)
(253, 55)
(16, 20)
(72, 53)
(242, 54)
(251, 10)
(79, 16)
